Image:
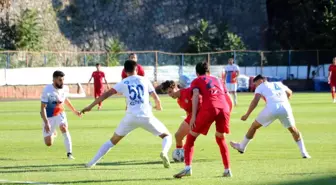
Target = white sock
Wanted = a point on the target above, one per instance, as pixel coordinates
(166, 144)
(226, 170)
(244, 143)
(101, 152)
(235, 98)
(302, 146)
(187, 167)
(67, 142)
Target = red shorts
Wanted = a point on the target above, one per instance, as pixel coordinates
(188, 118)
(206, 117)
(333, 83)
(97, 93)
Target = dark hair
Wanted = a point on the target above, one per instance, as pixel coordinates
(168, 84)
(58, 74)
(258, 77)
(131, 54)
(202, 68)
(98, 64)
(130, 66)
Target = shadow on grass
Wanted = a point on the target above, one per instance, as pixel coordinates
(131, 163)
(330, 180)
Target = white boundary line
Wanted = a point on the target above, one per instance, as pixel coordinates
(21, 182)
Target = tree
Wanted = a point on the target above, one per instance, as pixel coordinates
(113, 48)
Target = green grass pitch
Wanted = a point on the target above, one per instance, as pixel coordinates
(271, 158)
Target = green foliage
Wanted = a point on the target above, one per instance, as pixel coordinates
(28, 31)
(307, 24)
(214, 38)
(200, 42)
(113, 48)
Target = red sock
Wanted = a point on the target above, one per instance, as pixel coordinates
(333, 94)
(189, 149)
(224, 152)
(179, 146)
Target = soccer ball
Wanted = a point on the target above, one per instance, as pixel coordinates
(178, 155)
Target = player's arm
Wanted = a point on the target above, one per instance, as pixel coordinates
(101, 98)
(329, 76)
(195, 101)
(107, 85)
(68, 103)
(90, 80)
(43, 113)
(224, 76)
(157, 100)
(253, 105)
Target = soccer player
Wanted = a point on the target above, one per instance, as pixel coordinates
(139, 112)
(278, 107)
(52, 111)
(141, 71)
(184, 99)
(98, 77)
(332, 78)
(230, 78)
(215, 108)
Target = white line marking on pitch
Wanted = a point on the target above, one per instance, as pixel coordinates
(21, 182)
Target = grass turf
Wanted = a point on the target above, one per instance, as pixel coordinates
(272, 157)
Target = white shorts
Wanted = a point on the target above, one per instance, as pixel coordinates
(278, 111)
(55, 122)
(232, 87)
(151, 124)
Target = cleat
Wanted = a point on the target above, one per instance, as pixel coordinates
(237, 147)
(334, 101)
(183, 173)
(70, 156)
(165, 160)
(306, 156)
(227, 174)
(99, 107)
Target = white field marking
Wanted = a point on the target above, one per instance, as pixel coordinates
(21, 182)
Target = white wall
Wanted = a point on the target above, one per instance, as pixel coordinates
(36, 76)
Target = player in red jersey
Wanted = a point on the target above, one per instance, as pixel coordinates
(98, 77)
(184, 99)
(332, 78)
(140, 70)
(215, 108)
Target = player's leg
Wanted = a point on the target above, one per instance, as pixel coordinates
(264, 118)
(104, 149)
(49, 136)
(63, 126)
(332, 87)
(157, 128)
(203, 122)
(222, 128)
(182, 132)
(122, 130)
(97, 94)
(288, 121)
(234, 93)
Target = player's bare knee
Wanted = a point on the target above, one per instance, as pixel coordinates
(164, 135)
(48, 141)
(220, 135)
(63, 128)
(115, 139)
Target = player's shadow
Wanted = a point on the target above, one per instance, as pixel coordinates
(112, 180)
(41, 166)
(131, 163)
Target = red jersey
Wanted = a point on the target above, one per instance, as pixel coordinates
(141, 72)
(332, 69)
(185, 100)
(212, 91)
(98, 79)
